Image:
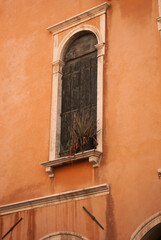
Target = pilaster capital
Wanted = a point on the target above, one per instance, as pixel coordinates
(100, 49)
(57, 66)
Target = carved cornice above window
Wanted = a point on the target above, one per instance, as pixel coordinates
(82, 17)
(159, 23)
(78, 194)
(57, 66)
(93, 157)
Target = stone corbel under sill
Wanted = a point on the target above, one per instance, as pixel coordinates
(93, 156)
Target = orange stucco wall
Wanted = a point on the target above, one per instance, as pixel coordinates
(131, 118)
(67, 217)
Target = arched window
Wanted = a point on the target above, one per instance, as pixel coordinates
(63, 57)
(154, 233)
(149, 230)
(79, 88)
(86, 98)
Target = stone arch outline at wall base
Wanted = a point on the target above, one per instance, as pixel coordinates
(55, 235)
(146, 226)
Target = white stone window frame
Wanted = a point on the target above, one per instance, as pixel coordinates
(59, 50)
(58, 63)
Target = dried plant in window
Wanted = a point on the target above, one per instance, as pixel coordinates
(84, 133)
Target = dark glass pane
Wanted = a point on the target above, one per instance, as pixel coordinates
(79, 86)
(82, 45)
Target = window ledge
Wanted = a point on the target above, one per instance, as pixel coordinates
(93, 156)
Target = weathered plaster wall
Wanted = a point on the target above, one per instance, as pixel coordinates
(27, 50)
(132, 113)
(66, 217)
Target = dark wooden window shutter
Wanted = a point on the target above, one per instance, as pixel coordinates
(79, 85)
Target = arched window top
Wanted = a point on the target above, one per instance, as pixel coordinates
(83, 44)
(72, 35)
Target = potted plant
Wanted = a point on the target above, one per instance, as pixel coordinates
(83, 134)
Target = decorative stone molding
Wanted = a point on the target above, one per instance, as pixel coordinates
(50, 171)
(82, 17)
(79, 194)
(159, 23)
(67, 40)
(159, 173)
(146, 226)
(57, 66)
(61, 235)
(93, 156)
(100, 49)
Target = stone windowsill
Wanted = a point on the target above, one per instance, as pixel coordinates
(93, 156)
